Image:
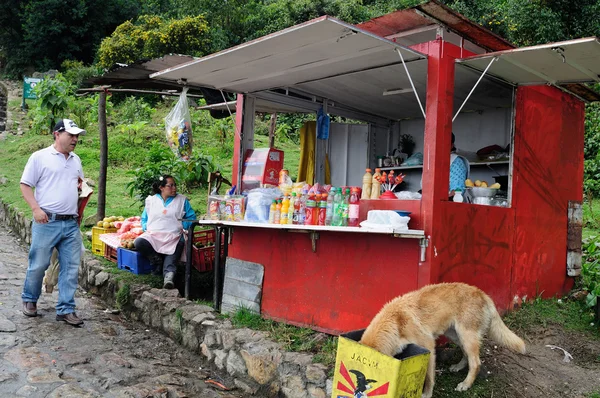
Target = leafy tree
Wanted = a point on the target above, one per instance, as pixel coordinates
(53, 100)
(153, 37)
(44, 33)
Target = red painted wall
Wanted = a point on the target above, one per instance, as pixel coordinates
(547, 173)
(475, 246)
(338, 288)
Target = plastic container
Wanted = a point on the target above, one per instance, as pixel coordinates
(329, 208)
(376, 185)
(346, 207)
(277, 216)
(367, 182)
(311, 212)
(290, 215)
(296, 216)
(272, 211)
(97, 244)
(285, 207)
(110, 253)
(458, 197)
(203, 251)
(322, 206)
(338, 209)
(353, 207)
(133, 262)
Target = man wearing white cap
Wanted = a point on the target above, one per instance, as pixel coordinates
(55, 172)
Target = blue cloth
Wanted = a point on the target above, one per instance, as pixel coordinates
(458, 174)
(189, 213)
(322, 125)
(66, 237)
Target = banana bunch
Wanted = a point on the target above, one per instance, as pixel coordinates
(482, 184)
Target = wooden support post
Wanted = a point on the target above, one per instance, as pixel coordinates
(272, 126)
(101, 213)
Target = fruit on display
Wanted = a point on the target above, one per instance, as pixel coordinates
(200, 245)
(110, 222)
(482, 184)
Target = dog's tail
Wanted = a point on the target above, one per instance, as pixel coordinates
(502, 335)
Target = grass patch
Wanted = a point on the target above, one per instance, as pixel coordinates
(123, 296)
(292, 338)
(572, 315)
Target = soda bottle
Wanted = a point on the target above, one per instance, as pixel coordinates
(338, 209)
(303, 198)
(311, 212)
(367, 183)
(346, 207)
(353, 207)
(322, 205)
(272, 211)
(277, 216)
(329, 208)
(290, 217)
(284, 210)
(296, 217)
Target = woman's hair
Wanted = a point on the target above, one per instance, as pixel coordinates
(161, 182)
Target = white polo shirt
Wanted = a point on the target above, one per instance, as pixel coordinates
(55, 180)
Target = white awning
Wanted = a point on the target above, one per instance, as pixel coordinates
(572, 61)
(321, 48)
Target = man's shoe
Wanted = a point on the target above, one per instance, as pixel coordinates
(71, 319)
(168, 282)
(29, 308)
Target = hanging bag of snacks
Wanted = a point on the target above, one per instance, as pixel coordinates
(178, 125)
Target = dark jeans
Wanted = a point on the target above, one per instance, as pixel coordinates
(169, 262)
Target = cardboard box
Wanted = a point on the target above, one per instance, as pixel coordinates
(361, 369)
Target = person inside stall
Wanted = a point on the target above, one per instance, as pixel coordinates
(163, 240)
(459, 171)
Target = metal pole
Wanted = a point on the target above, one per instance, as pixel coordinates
(411, 82)
(474, 87)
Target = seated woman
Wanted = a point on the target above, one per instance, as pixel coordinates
(162, 241)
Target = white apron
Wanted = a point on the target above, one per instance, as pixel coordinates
(164, 227)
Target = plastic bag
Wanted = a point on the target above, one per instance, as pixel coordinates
(385, 220)
(259, 202)
(414, 160)
(178, 127)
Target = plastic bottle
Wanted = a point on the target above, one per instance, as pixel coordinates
(311, 211)
(290, 217)
(303, 198)
(296, 217)
(336, 220)
(376, 185)
(272, 211)
(285, 204)
(367, 183)
(458, 197)
(353, 207)
(277, 216)
(329, 209)
(346, 207)
(322, 205)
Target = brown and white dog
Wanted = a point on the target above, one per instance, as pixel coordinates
(461, 312)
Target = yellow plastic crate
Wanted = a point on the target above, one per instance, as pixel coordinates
(399, 376)
(97, 244)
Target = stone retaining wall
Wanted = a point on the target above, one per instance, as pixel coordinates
(259, 366)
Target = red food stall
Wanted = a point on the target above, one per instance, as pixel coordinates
(425, 71)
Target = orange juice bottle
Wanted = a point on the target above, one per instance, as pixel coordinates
(276, 218)
(272, 211)
(285, 205)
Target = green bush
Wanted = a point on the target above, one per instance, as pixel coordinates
(191, 174)
(590, 271)
(591, 150)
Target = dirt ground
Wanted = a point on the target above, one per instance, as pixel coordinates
(542, 372)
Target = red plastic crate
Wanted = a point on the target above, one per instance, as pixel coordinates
(203, 258)
(110, 253)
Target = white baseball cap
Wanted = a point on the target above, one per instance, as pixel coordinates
(69, 126)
